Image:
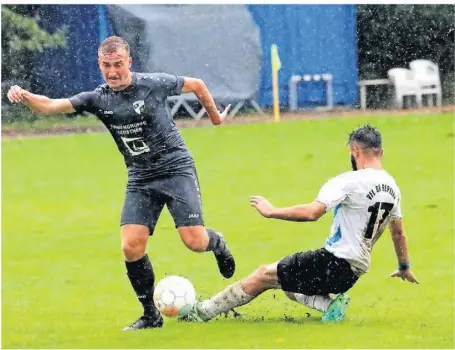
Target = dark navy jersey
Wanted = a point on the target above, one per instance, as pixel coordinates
(140, 123)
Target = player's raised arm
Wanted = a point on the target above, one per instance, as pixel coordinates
(401, 250)
(332, 193)
(198, 87)
(302, 212)
(39, 103)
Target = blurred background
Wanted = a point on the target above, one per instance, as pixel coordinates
(332, 56)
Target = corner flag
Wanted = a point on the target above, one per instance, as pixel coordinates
(276, 66)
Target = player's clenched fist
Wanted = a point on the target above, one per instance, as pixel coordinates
(15, 94)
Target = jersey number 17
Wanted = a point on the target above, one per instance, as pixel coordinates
(374, 210)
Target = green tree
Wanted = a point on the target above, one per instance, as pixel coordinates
(22, 37)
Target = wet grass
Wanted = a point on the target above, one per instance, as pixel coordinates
(63, 278)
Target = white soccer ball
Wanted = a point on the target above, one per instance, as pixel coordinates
(174, 296)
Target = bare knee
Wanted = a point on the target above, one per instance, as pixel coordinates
(195, 238)
(267, 274)
(134, 241)
(264, 278)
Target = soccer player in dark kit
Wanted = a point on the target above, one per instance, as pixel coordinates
(161, 170)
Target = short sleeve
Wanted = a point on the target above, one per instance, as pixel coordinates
(395, 213)
(334, 191)
(168, 84)
(83, 101)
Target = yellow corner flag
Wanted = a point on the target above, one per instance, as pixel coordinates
(276, 66)
(276, 63)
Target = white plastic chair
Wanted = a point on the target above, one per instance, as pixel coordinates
(427, 74)
(405, 85)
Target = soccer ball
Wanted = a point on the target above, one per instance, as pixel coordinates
(174, 296)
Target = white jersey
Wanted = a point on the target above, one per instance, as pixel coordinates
(365, 201)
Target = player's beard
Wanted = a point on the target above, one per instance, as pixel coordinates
(353, 163)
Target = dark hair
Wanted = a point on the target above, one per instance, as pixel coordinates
(367, 137)
(111, 44)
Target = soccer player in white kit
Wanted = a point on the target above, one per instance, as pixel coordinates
(365, 201)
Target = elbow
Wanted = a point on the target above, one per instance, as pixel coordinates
(41, 109)
(46, 110)
(314, 211)
(398, 235)
(199, 87)
(52, 108)
(49, 110)
(313, 218)
(315, 215)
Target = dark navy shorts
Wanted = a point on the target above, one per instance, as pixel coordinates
(180, 193)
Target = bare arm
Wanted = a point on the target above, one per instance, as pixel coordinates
(39, 103)
(198, 87)
(399, 241)
(401, 250)
(302, 212)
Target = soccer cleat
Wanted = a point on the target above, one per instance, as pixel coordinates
(224, 258)
(194, 315)
(337, 309)
(146, 322)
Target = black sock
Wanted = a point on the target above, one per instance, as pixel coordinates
(142, 278)
(215, 242)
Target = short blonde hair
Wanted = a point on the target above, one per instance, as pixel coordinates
(111, 44)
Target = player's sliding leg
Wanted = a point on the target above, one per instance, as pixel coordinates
(237, 294)
(316, 302)
(312, 275)
(333, 309)
(337, 309)
(141, 275)
(309, 273)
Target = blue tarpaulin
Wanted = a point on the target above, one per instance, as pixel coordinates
(311, 39)
(67, 71)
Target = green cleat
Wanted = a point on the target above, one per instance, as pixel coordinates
(194, 315)
(337, 309)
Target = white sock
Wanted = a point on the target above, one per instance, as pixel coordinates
(233, 296)
(317, 302)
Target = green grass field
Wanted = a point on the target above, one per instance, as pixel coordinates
(63, 277)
